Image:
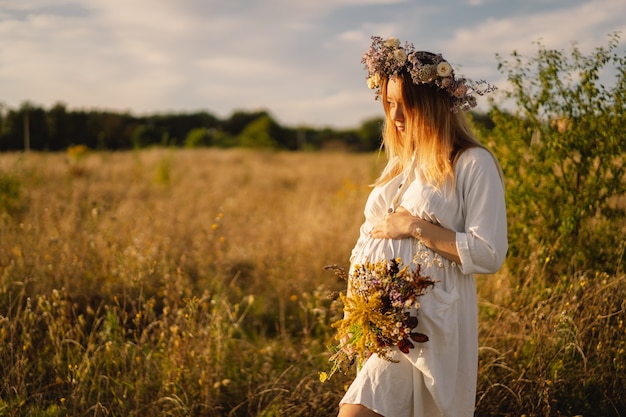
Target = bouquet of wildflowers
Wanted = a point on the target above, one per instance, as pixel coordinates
(377, 312)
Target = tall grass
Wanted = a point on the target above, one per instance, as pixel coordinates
(191, 282)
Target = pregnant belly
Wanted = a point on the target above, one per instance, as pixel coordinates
(375, 250)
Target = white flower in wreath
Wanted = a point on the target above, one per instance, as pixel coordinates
(444, 69)
(392, 42)
(399, 56)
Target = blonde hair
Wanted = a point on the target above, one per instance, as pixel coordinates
(434, 134)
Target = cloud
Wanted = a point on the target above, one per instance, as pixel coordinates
(556, 29)
(299, 60)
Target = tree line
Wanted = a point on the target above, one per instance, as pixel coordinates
(32, 127)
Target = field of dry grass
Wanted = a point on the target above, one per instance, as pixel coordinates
(191, 282)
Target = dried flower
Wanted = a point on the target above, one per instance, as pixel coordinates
(447, 82)
(460, 90)
(426, 73)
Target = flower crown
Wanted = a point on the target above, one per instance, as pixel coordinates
(386, 58)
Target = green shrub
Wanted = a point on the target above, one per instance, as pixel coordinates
(562, 153)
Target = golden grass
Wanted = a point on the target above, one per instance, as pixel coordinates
(191, 282)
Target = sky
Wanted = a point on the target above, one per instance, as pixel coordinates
(297, 59)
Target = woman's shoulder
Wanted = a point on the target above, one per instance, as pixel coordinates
(477, 159)
(476, 155)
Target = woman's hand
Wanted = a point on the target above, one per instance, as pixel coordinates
(397, 225)
(401, 225)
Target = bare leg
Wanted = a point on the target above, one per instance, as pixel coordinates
(356, 410)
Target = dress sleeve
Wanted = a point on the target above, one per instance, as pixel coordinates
(483, 244)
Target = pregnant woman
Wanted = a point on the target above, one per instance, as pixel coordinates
(439, 203)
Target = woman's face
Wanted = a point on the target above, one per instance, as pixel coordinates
(395, 103)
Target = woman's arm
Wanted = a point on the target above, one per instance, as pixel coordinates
(401, 225)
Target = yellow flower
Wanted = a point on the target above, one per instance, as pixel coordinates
(361, 314)
(373, 81)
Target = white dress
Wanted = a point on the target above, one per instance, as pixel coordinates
(436, 378)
